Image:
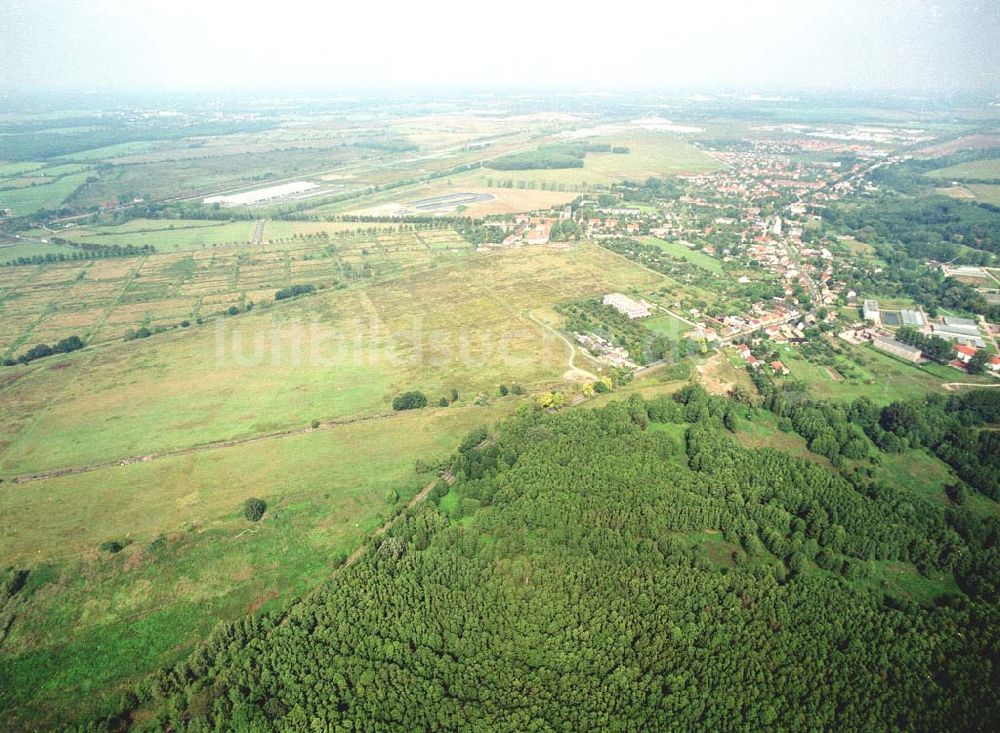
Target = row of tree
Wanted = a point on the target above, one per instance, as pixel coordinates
(40, 351)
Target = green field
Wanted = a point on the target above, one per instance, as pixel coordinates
(975, 170)
(666, 325)
(651, 154)
(695, 257)
(17, 169)
(29, 200)
(881, 377)
(165, 235)
(986, 192)
(339, 354)
(9, 254)
(917, 471)
(93, 620)
(459, 322)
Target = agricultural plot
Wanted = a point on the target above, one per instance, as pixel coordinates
(986, 193)
(10, 253)
(340, 354)
(111, 296)
(165, 235)
(651, 154)
(42, 195)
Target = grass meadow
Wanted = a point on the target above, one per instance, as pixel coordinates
(973, 170)
(339, 354)
(101, 299)
(695, 257)
(44, 194)
(92, 620)
(871, 373)
(651, 154)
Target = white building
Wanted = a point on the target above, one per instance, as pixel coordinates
(871, 312)
(626, 306)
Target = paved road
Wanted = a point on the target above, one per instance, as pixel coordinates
(258, 233)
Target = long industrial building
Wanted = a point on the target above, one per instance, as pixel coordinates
(626, 306)
(896, 348)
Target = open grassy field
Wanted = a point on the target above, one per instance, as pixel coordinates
(917, 471)
(651, 154)
(873, 374)
(43, 195)
(101, 299)
(11, 170)
(94, 620)
(962, 193)
(503, 201)
(166, 235)
(760, 430)
(986, 192)
(974, 170)
(11, 253)
(677, 249)
(340, 355)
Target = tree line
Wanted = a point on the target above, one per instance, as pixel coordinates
(625, 568)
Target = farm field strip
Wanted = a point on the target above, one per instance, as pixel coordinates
(396, 327)
(167, 286)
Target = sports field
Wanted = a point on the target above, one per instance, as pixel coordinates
(695, 257)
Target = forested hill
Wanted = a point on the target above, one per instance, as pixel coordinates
(630, 568)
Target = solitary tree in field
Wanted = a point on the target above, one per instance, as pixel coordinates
(412, 400)
(254, 508)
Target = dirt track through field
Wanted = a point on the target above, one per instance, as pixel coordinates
(129, 460)
(574, 372)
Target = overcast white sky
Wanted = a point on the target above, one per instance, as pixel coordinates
(205, 44)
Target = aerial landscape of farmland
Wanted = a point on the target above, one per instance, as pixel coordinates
(569, 404)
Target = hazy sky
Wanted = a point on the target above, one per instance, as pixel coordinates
(204, 44)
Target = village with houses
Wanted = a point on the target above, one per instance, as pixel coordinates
(760, 218)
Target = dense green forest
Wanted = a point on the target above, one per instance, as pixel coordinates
(630, 568)
(565, 155)
(928, 227)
